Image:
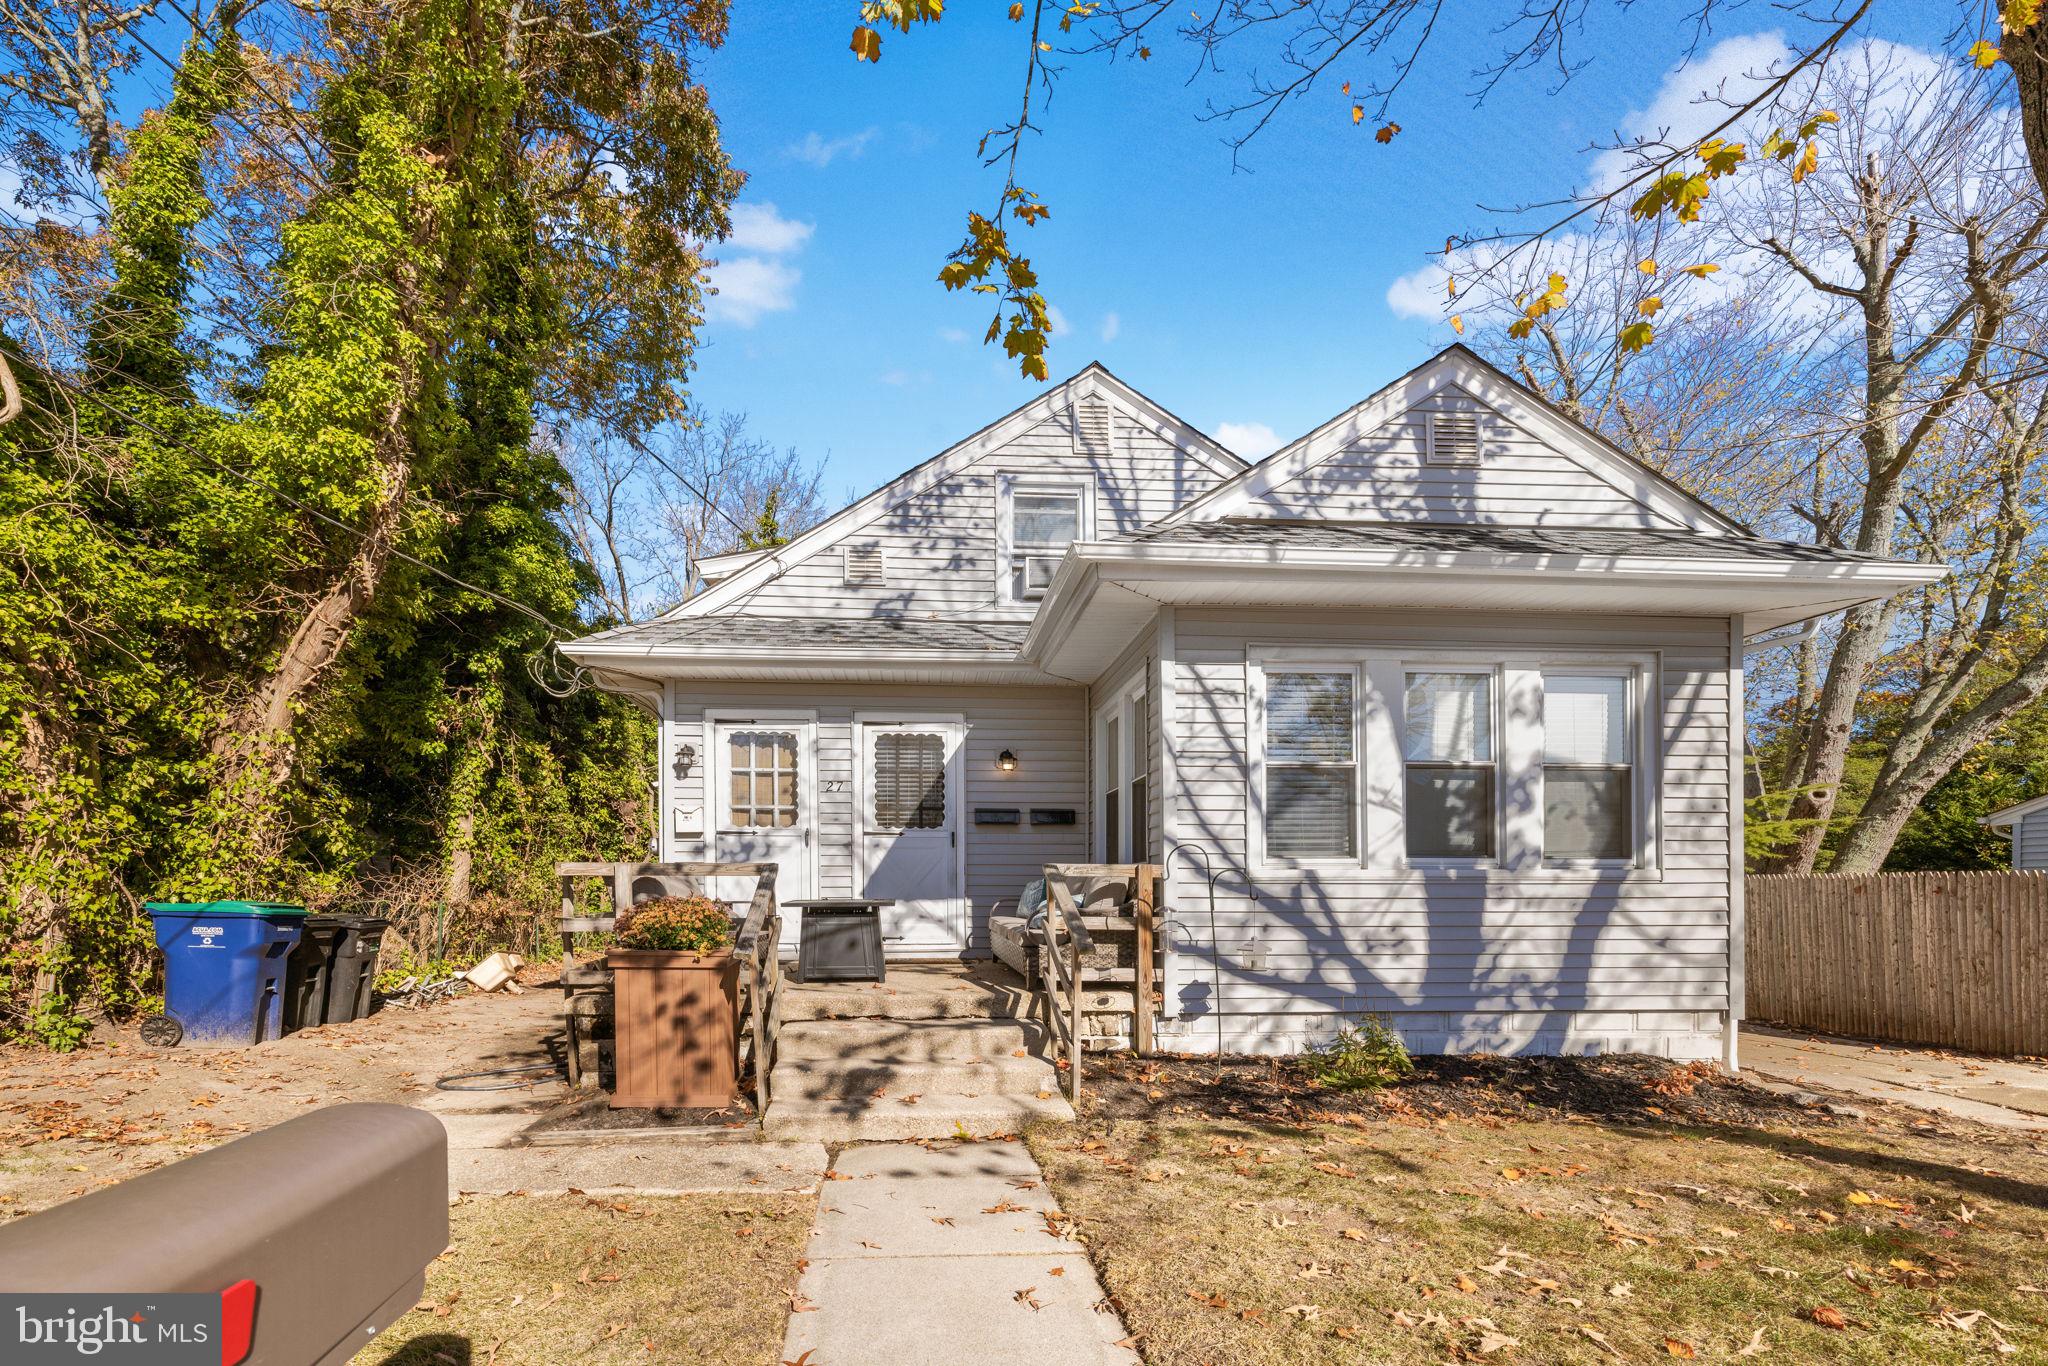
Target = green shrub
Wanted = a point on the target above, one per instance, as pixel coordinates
(678, 923)
(1363, 1057)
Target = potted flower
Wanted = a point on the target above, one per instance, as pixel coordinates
(675, 1003)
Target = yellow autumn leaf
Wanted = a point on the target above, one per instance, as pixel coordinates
(1984, 53)
(1347, 87)
(1635, 337)
(1682, 1350)
(1457, 324)
(1648, 307)
(1511, 1173)
(1450, 287)
(2016, 16)
(1860, 1198)
(1016, 13)
(866, 44)
(1808, 160)
(1357, 113)
(1701, 271)
(1648, 265)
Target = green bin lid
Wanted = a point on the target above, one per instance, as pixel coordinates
(224, 907)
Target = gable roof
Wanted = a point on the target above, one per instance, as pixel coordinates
(2013, 814)
(1457, 365)
(1094, 380)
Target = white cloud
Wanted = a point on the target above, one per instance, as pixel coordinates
(1251, 440)
(1056, 321)
(955, 335)
(1687, 103)
(1111, 325)
(749, 282)
(818, 150)
(760, 228)
(750, 287)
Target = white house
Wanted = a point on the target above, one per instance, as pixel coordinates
(1445, 693)
(2026, 825)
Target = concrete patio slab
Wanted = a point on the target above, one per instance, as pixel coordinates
(656, 1168)
(908, 1268)
(2002, 1092)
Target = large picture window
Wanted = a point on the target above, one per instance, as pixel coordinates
(1311, 765)
(1588, 779)
(1450, 783)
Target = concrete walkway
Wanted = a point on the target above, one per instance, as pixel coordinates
(1995, 1091)
(926, 1257)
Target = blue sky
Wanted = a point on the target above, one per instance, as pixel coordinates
(1244, 301)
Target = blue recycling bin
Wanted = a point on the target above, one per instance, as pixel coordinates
(224, 965)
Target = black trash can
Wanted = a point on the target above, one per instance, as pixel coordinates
(355, 967)
(309, 971)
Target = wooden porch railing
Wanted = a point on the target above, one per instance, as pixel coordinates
(586, 986)
(1065, 944)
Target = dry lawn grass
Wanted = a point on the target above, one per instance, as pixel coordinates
(534, 1281)
(1559, 1238)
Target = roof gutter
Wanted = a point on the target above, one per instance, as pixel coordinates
(1088, 565)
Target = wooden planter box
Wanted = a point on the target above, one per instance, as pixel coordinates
(676, 1028)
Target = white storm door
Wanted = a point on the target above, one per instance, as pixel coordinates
(766, 808)
(910, 841)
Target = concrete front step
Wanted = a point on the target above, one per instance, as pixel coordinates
(909, 994)
(901, 1041)
(869, 1119)
(841, 1078)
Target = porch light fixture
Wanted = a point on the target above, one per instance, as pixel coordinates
(1006, 762)
(686, 759)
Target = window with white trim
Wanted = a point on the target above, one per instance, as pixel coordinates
(1588, 768)
(1451, 783)
(1039, 520)
(1311, 764)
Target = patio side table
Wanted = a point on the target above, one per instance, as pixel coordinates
(841, 939)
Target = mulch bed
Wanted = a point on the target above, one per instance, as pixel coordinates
(1614, 1088)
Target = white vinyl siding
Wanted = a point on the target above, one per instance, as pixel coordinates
(1471, 957)
(942, 545)
(1502, 475)
(1045, 728)
(2030, 841)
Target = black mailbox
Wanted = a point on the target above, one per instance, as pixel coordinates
(324, 1224)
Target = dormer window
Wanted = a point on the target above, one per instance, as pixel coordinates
(1039, 520)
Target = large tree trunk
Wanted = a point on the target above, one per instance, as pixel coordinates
(2027, 53)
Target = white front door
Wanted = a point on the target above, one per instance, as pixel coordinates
(910, 845)
(766, 811)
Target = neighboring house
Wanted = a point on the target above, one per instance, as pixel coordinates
(1447, 693)
(2026, 825)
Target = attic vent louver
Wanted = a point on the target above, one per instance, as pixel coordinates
(866, 566)
(1454, 438)
(1092, 427)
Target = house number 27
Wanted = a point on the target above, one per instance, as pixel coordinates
(835, 784)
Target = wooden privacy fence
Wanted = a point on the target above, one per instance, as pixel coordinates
(1957, 960)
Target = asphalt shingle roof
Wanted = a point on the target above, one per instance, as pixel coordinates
(880, 634)
(1506, 540)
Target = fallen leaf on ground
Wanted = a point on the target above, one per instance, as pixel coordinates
(1827, 1316)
